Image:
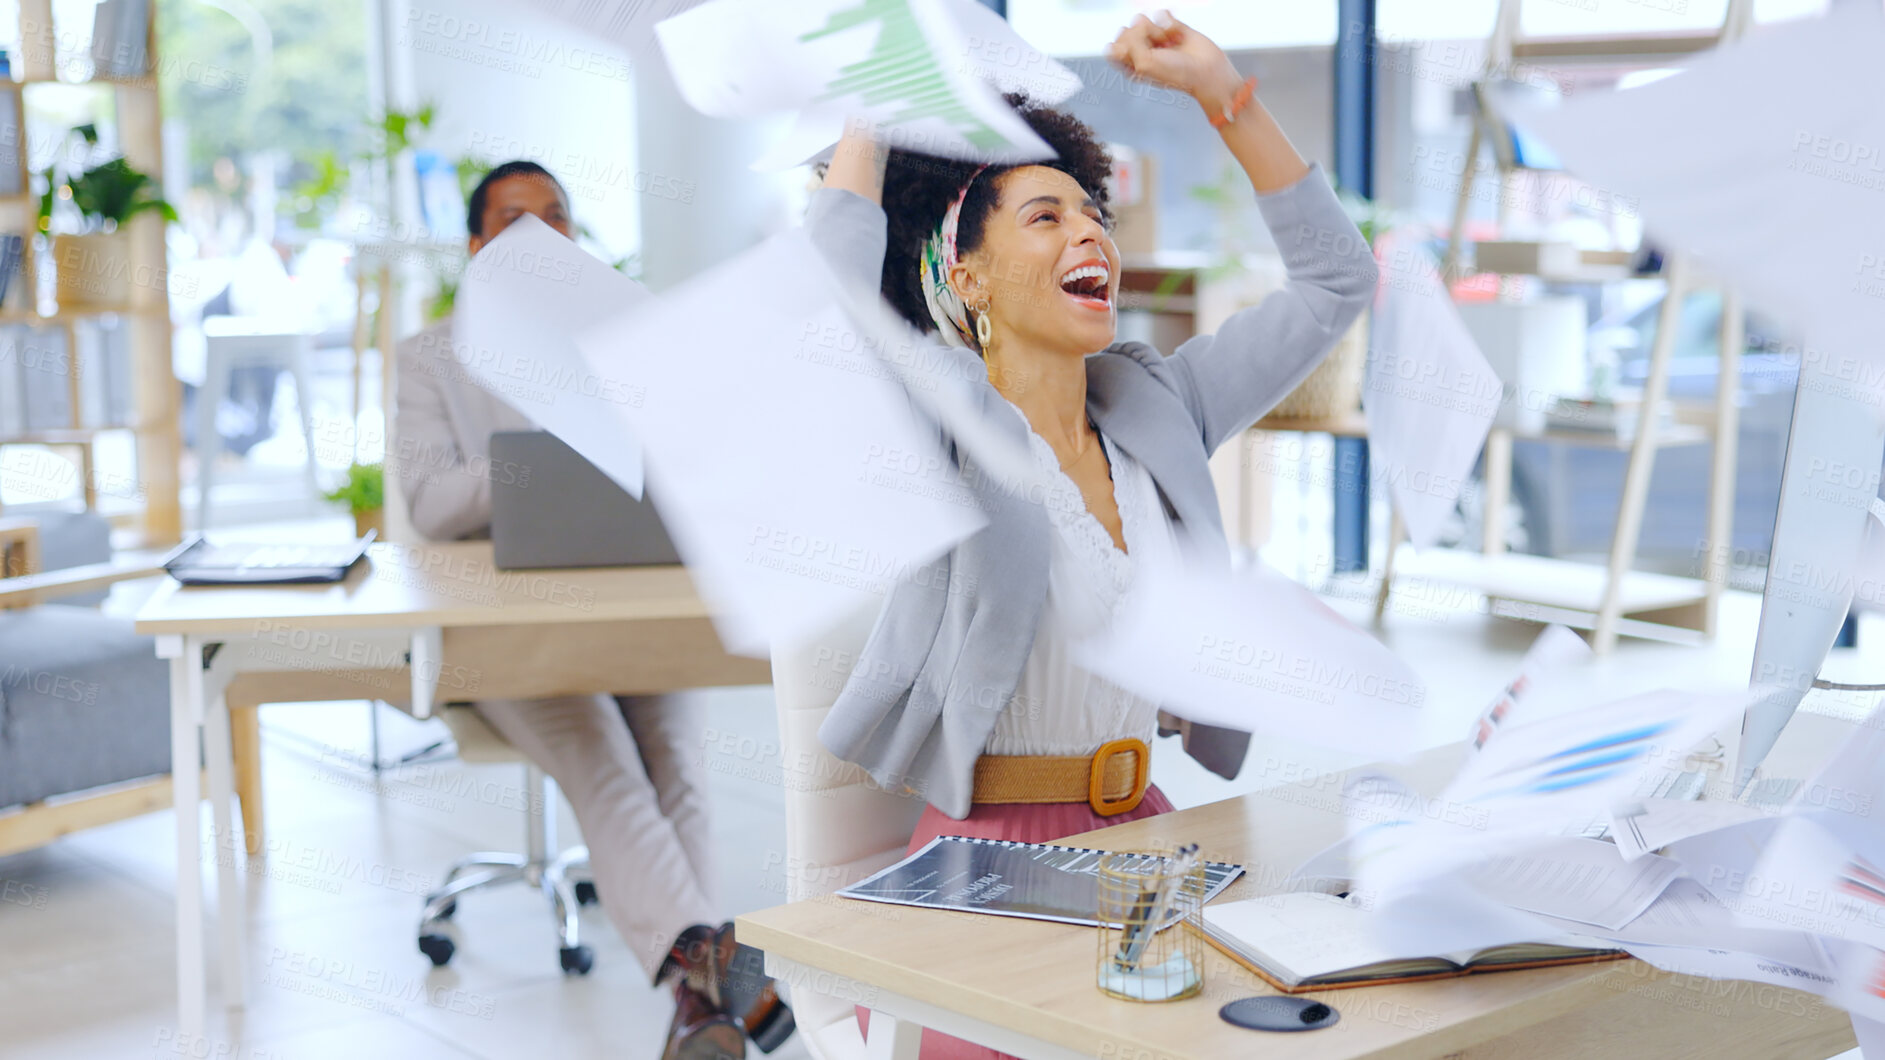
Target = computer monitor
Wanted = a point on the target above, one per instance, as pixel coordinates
(1834, 451)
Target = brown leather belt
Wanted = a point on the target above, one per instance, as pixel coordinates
(1112, 779)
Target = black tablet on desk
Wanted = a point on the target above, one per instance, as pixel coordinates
(200, 562)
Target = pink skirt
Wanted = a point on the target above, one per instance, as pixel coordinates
(1029, 823)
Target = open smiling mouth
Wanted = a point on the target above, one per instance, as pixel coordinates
(1089, 285)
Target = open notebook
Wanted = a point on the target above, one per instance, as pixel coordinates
(1312, 941)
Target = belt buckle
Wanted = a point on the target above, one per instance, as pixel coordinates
(1096, 776)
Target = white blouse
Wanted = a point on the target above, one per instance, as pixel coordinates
(1058, 707)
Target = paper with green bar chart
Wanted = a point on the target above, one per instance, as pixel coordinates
(910, 67)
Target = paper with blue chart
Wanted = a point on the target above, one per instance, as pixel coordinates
(1537, 780)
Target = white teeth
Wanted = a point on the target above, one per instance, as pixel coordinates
(1099, 272)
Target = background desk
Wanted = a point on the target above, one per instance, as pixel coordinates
(412, 625)
(1026, 986)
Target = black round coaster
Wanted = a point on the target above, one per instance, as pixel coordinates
(1279, 1014)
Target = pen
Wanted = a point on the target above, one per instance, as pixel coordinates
(1152, 905)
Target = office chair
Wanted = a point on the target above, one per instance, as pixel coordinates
(839, 826)
(562, 876)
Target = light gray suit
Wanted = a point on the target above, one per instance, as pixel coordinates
(940, 666)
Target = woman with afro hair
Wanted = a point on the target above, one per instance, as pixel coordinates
(967, 692)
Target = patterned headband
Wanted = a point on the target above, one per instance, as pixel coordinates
(939, 257)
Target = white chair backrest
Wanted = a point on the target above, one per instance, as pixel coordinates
(839, 826)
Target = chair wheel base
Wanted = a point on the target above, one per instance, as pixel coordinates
(577, 960)
(586, 893)
(438, 947)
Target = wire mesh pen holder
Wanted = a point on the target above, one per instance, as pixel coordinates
(1151, 937)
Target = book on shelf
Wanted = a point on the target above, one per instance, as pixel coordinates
(44, 365)
(103, 362)
(12, 167)
(12, 404)
(120, 39)
(1617, 417)
(13, 268)
(1307, 940)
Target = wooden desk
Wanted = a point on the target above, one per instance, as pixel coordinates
(411, 625)
(1026, 987)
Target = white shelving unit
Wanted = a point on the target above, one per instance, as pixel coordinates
(1605, 600)
(156, 396)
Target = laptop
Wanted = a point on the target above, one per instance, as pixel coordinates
(552, 508)
(200, 562)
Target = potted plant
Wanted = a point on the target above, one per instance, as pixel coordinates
(93, 260)
(364, 494)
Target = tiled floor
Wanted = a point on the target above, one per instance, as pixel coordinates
(86, 941)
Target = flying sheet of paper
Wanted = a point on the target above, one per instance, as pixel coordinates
(1445, 915)
(1540, 674)
(521, 302)
(989, 49)
(1807, 878)
(1687, 929)
(1255, 651)
(1525, 788)
(1871, 1035)
(1430, 396)
(1582, 880)
(1861, 969)
(1652, 824)
(1722, 859)
(1557, 769)
(796, 476)
(902, 64)
(1848, 791)
(1766, 159)
(627, 23)
(1711, 962)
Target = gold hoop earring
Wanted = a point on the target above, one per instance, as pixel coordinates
(984, 327)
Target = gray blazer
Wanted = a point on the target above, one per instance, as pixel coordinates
(945, 657)
(441, 438)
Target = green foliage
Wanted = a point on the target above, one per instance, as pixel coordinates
(470, 171)
(297, 89)
(318, 197)
(365, 489)
(396, 129)
(445, 298)
(105, 195)
(114, 192)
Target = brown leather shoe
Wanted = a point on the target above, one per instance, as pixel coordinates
(748, 994)
(700, 1031)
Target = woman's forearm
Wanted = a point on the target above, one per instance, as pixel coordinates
(1256, 140)
(858, 164)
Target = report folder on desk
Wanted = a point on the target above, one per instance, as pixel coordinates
(1007, 878)
(1307, 941)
